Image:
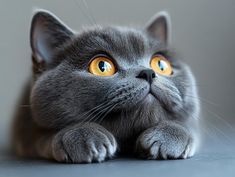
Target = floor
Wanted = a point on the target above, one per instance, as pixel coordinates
(214, 159)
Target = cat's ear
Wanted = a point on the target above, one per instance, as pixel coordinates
(159, 27)
(47, 33)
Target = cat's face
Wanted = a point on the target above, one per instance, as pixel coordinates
(106, 69)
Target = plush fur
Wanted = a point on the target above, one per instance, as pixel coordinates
(77, 117)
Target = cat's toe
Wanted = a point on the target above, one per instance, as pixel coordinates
(188, 151)
(58, 152)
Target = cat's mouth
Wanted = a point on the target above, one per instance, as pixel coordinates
(149, 98)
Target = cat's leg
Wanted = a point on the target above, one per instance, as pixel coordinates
(75, 144)
(85, 143)
(167, 140)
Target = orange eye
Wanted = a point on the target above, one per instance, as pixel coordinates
(161, 65)
(102, 66)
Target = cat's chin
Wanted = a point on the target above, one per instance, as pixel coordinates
(149, 99)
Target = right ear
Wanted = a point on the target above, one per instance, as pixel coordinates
(47, 33)
(159, 27)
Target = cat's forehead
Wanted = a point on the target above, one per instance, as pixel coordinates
(126, 43)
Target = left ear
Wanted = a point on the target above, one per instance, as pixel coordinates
(47, 33)
(159, 27)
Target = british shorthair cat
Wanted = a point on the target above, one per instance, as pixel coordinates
(106, 91)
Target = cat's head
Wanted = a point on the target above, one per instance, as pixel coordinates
(81, 76)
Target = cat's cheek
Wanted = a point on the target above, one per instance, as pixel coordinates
(42, 108)
(172, 102)
(176, 106)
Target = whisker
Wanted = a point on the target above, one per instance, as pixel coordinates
(203, 100)
(215, 129)
(196, 84)
(219, 135)
(220, 119)
(96, 116)
(89, 11)
(84, 13)
(25, 105)
(205, 128)
(215, 115)
(94, 110)
(221, 132)
(109, 110)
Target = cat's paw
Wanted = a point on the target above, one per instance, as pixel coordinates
(165, 142)
(85, 144)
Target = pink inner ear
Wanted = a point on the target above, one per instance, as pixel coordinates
(159, 29)
(41, 48)
(159, 26)
(161, 33)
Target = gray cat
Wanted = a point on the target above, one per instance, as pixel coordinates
(106, 91)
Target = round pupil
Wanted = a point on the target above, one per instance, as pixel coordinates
(104, 66)
(162, 65)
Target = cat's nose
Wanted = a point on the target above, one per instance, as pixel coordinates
(147, 74)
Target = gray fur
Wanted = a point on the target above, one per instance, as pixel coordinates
(78, 117)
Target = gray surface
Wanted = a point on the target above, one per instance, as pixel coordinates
(203, 32)
(216, 160)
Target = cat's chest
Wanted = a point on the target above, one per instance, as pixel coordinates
(126, 128)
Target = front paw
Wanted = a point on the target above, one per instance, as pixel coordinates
(83, 144)
(167, 141)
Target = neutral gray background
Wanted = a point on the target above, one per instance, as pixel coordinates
(203, 34)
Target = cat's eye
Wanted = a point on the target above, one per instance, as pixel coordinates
(102, 66)
(161, 65)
